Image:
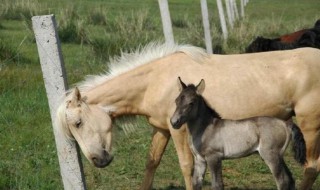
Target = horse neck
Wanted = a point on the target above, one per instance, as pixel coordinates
(123, 94)
(278, 45)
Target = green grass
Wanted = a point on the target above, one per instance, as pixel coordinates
(91, 32)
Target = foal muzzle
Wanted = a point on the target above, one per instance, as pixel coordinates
(176, 123)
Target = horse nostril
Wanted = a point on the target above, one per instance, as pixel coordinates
(174, 122)
(95, 160)
(103, 160)
(176, 125)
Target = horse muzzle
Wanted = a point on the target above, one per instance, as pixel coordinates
(104, 161)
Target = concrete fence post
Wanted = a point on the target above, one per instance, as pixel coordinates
(56, 83)
(235, 10)
(242, 7)
(206, 25)
(222, 19)
(229, 14)
(166, 21)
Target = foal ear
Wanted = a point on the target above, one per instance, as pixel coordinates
(181, 84)
(200, 87)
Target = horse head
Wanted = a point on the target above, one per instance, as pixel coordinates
(90, 125)
(186, 103)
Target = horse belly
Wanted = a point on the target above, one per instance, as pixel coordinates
(242, 147)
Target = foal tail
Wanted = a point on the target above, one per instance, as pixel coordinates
(298, 144)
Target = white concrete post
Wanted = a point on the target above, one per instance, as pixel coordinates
(222, 20)
(230, 17)
(232, 11)
(242, 7)
(235, 10)
(206, 25)
(166, 21)
(246, 2)
(55, 83)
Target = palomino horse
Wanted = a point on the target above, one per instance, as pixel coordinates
(213, 139)
(279, 84)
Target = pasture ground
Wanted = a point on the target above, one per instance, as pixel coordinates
(90, 32)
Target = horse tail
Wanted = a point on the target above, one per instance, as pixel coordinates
(298, 144)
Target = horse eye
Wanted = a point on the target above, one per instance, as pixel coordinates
(191, 104)
(78, 123)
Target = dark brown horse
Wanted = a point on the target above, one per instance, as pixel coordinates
(302, 38)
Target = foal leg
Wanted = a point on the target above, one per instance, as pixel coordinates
(215, 165)
(159, 142)
(278, 168)
(200, 167)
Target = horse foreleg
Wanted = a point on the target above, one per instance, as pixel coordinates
(180, 139)
(160, 139)
(310, 127)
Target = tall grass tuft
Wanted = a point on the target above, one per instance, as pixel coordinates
(18, 9)
(181, 22)
(98, 16)
(71, 27)
(132, 31)
(8, 53)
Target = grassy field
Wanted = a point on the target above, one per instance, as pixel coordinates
(91, 32)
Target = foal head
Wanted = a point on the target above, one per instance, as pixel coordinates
(187, 103)
(89, 125)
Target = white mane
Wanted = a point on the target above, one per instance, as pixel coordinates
(143, 55)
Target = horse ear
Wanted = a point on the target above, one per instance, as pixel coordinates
(84, 99)
(76, 97)
(200, 87)
(181, 84)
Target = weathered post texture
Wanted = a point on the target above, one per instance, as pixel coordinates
(166, 21)
(206, 25)
(55, 83)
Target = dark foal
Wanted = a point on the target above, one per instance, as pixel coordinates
(213, 139)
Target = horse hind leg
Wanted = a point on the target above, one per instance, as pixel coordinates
(310, 128)
(159, 143)
(279, 169)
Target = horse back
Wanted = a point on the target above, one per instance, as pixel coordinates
(289, 38)
(269, 84)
